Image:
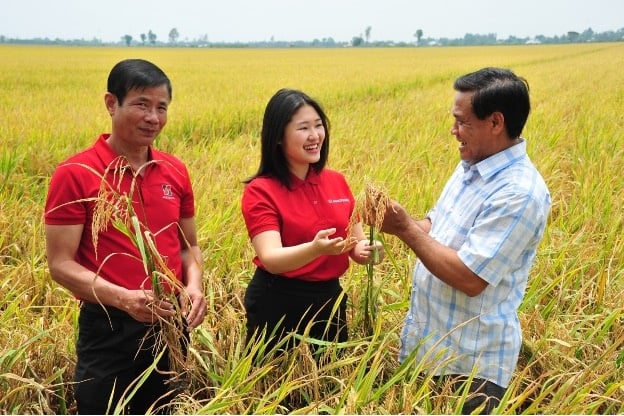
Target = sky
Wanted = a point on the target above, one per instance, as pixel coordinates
(305, 20)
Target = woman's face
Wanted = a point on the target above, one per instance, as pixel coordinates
(303, 138)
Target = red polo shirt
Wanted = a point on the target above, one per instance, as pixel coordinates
(161, 197)
(319, 202)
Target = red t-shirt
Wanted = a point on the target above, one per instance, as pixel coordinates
(319, 202)
(161, 197)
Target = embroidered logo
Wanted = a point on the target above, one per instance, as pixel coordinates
(167, 192)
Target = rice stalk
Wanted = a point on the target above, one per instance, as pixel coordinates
(371, 205)
(117, 209)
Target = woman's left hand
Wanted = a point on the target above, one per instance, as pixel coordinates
(365, 253)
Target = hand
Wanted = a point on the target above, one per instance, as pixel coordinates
(143, 306)
(193, 307)
(333, 246)
(395, 219)
(365, 253)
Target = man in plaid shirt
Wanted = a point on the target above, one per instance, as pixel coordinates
(476, 246)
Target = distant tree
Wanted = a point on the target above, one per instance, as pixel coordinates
(143, 38)
(173, 35)
(418, 35)
(479, 39)
(127, 39)
(203, 39)
(357, 41)
(367, 33)
(587, 35)
(152, 37)
(514, 40)
(573, 36)
(329, 41)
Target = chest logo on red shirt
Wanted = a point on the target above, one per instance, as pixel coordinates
(167, 192)
(339, 201)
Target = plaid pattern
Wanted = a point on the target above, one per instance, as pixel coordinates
(494, 214)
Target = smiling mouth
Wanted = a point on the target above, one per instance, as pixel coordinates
(311, 147)
(149, 132)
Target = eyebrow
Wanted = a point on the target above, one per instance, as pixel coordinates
(317, 120)
(144, 99)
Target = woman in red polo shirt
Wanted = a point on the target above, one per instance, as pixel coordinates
(297, 213)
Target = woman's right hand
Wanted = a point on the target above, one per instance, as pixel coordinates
(333, 246)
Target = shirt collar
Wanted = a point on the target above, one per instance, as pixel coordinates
(108, 155)
(495, 163)
(104, 151)
(312, 178)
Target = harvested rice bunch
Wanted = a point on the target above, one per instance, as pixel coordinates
(370, 207)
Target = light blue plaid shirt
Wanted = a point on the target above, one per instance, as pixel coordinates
(494, 214)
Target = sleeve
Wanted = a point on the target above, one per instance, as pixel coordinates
(187, 202)
(508, 226)
(259, 209)
(66, 202)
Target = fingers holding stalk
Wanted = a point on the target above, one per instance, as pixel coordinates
(395, 219)
(143, 306)
(194, 308)
(366, 253)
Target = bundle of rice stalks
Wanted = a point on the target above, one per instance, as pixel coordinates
(370, 206)
(115, 208)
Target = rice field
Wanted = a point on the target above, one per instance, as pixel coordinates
(390, 126)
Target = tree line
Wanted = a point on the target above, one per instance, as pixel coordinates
(360, 40)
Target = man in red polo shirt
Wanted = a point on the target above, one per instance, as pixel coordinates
(102, 267)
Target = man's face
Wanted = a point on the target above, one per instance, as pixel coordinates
(476, 141)
(142, 115)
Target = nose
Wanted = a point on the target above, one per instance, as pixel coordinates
(151, 115)
(454, 129)
(315, 134)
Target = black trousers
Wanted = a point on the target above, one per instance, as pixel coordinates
(111, 355)
(480, 392)
(280, 305)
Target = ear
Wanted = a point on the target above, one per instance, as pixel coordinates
(110, 100)
(498, 122)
